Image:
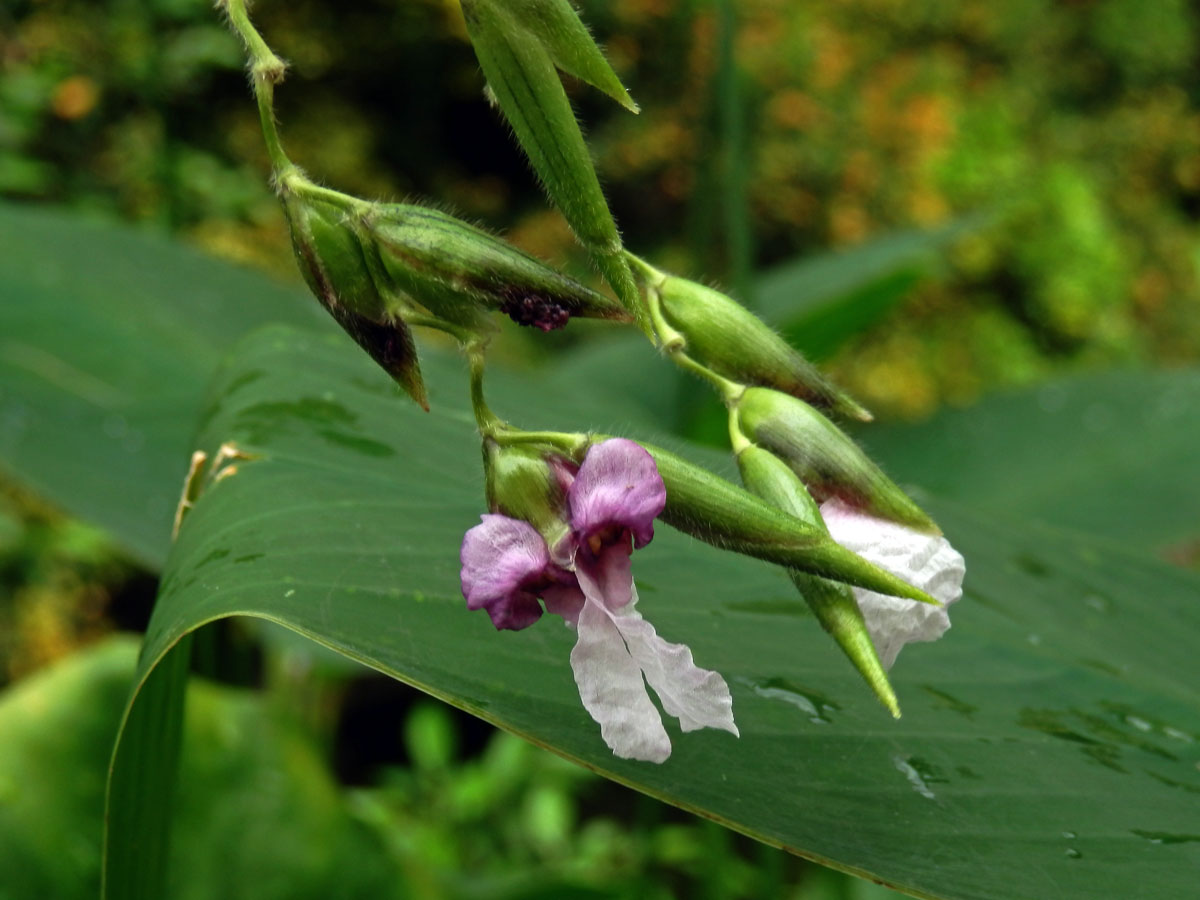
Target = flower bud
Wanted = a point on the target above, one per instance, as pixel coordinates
(832, 602)
(526, 484)
(732, 341)
(457, 271)
(722, 514)
(828, 462)
(332, 261)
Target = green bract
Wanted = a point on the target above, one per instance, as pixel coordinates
(333, 263)
(722, 514)
(732, 341)
(825, 459)
(832, 602)
(557, 27)
(457, 271)
(521, 484)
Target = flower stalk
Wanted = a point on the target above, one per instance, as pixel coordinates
(266, 71)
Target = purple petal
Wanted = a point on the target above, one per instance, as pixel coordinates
(698, 698)
(618, 486)
(501, 559)
(610, 572)
(611, 688)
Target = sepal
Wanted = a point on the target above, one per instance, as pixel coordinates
(527, 484)
(334, 264)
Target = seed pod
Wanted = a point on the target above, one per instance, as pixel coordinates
(332, 261)
(824, 458)
(456, 271)
(832, 602)
(708, 507)
(732, 341)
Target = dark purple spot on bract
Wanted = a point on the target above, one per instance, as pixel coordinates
(536, 312)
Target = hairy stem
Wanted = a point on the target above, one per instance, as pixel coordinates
(487, 421)
(266, 71)
(674, 344)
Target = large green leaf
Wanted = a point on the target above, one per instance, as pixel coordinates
(1111, 454)
(1050, 744)
(103, 354)
(108, 337)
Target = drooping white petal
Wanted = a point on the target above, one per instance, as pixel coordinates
(925, 561)
(699, 698)
(611, 688)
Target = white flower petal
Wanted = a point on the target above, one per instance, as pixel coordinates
(612, 690)
(925, 561)
(699, 698)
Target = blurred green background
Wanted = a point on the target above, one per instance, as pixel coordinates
(1023, 176)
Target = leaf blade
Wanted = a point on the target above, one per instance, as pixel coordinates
(1053, 706)
(141, 781)
(105, 357)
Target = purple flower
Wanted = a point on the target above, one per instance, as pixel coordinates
(925, 561)
(612, 501)
(506, 567)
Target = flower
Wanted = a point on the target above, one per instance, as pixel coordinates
(926, 561)
(611, 503)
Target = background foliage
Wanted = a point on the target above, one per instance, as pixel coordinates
(1074, 123)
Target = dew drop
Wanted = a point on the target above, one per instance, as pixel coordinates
(915, 778)
(1166, 837)
(1072, 853)
(115, 426)
(289, 592)
(1096, 602)
(815, 706)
